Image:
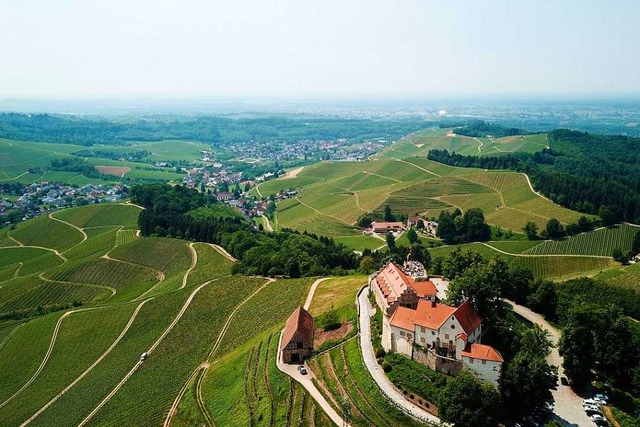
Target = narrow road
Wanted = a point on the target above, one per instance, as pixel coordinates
(568, 405)
(381, 176)
(306, 381)
(90, 368)
(137, 365)
(376, 371)
(223, 252)
(194, 261)
(84, 235)
(46, 356)
(202, 369)
(258, 191)
(419, 167)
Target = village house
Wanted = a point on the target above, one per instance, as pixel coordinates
(442, 337)
(385, 227)
(297, 338)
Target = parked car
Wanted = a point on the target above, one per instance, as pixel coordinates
(548, 406)
(564, 381)
(143, 356)
(592, 409)
(302, 370)
(602, 397)
(586, 402)
(597, 418)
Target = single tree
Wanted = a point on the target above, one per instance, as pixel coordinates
(531, 230)
(388, 215)
(412, 236)
(554, 229)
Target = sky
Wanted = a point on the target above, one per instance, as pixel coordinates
(318, 48)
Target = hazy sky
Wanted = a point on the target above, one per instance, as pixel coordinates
(344, 48)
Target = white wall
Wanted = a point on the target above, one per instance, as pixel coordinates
(489, 371)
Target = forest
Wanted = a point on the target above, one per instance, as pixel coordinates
(185, 213)
(480, 128)
(207, 129)
(590, 173)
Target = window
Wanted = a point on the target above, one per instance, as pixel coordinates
(446, 336)
(453, 326)
(433, 332)
(484, 362)
(401, 333)
(471, 360)
(422, 329)
(422, 340)
(409, 336)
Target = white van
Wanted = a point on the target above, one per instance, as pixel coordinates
(143, 356)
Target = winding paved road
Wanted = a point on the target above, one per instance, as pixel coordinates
(376, 371)
(568, 405)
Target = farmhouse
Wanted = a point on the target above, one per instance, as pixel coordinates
(385, 227)
(393, 288)
(297, 338)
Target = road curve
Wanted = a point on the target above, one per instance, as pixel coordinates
(202, 369)
(47, 355)
(137, 365)
(84, 235)
(312, 291)
(365, 313)
(90, 368)
(222, 251)
(194, 261)
(568, 405)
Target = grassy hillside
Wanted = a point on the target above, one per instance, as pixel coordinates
(333, 195)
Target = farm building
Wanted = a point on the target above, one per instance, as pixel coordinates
(385, 227)
(297, 338)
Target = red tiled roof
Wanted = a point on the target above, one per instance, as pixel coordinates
(482, 352)
(468, 317)
(393, 282)
(432, 315)
(300, 323)
(403, 318)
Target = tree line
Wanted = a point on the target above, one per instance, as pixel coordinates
(185, 213)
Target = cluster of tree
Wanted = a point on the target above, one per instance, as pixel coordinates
(12, 188)
(416, 251)
(456, 228)
(185, 213)
(73, 164)
(133, 156)
(526, 373)
(208, 129)
(480, 128)
(595, 174)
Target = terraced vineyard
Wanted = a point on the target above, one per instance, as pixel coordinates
(598, 242)
(333, 195)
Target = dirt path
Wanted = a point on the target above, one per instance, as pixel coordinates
(91, 285)
(201, 371)
(15, 177)
(267, 223)
(479, 146)
(419, 167)
(293, 173)
(84, 235)
(223, 252)
(319, 211)
(194, 261)
(137, 365)
(258, 191)
(46, 356)
(58, 254)
(19, 243)
(90, 368)
(534, 191)
(129, 203)
(312, 292)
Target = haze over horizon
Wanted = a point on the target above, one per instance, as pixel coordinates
(289, 49)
